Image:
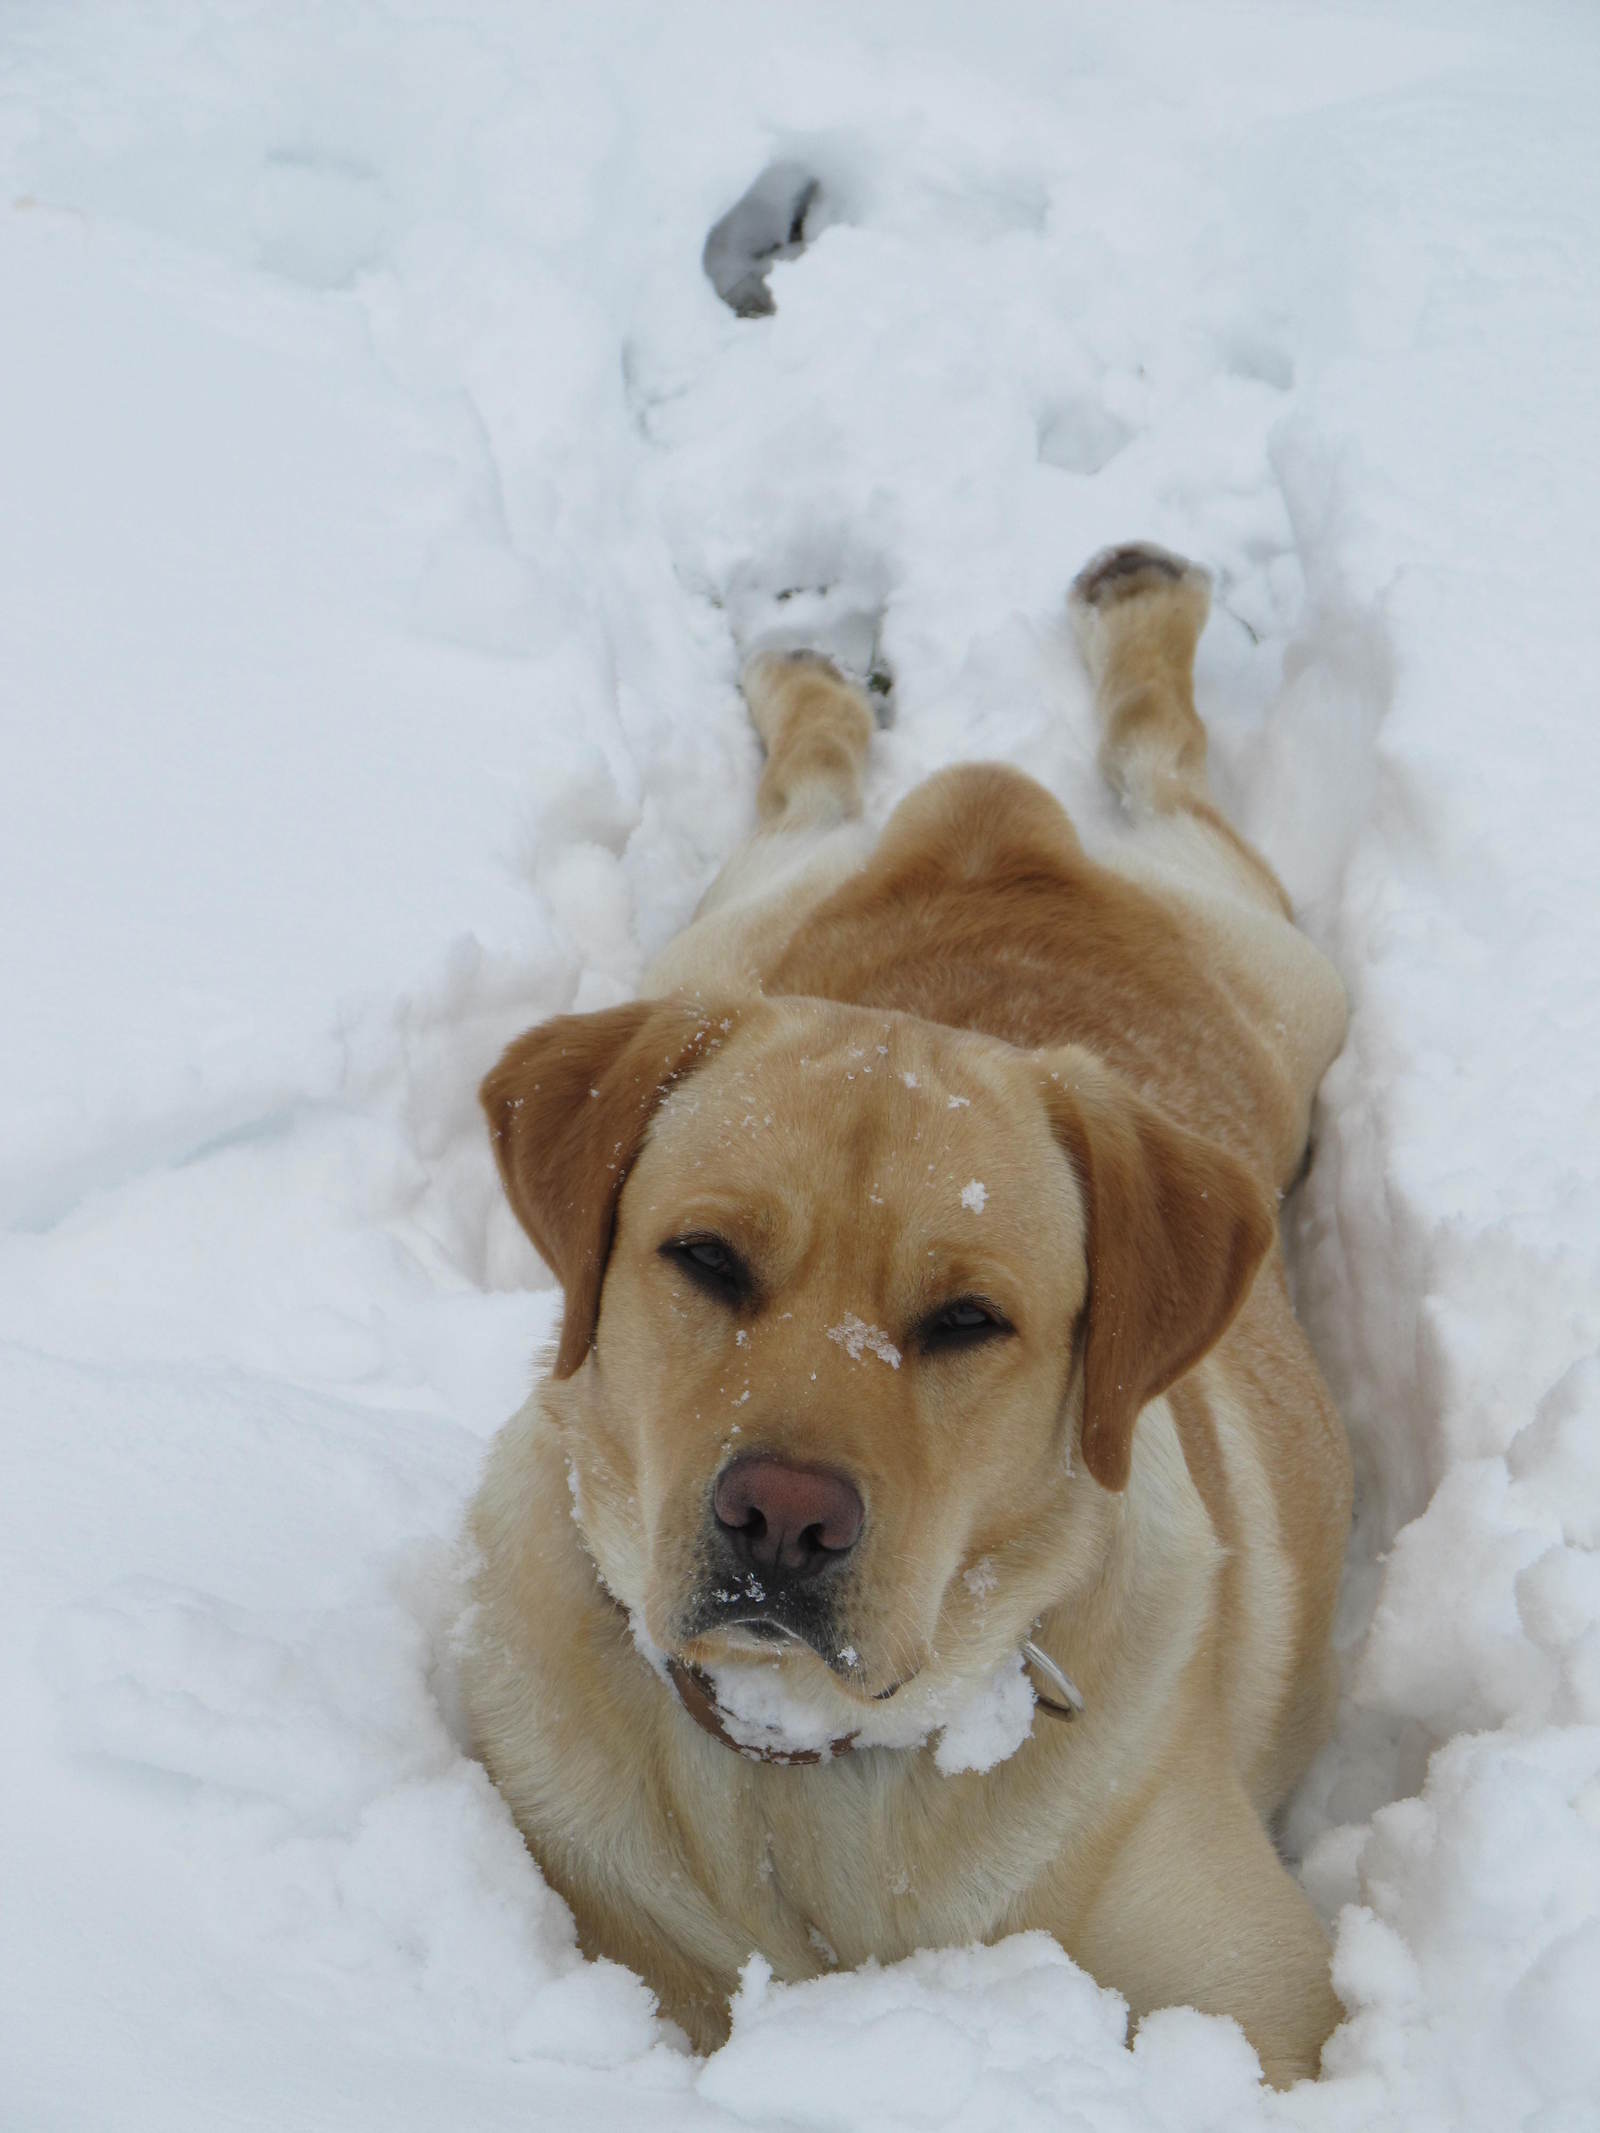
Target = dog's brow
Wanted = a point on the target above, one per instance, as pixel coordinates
(946, 1270)
(751, 1223)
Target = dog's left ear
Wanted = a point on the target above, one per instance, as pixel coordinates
(1177, 1228)
(568, 1107)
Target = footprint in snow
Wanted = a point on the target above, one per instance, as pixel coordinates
(1081, 436)
(318, 220)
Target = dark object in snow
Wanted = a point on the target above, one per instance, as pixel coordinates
(768, 223)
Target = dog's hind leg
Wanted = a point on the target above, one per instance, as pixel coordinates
(1138, 612)
(816, 727)
(809, 838)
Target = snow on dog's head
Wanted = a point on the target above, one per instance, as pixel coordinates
(802, 1390)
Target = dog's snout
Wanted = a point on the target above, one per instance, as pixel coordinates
(790, 1519)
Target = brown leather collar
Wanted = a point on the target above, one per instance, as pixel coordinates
(699, 1699)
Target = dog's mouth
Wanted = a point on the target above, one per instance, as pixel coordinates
(765, 1633)
(734, 1621)
(763, 1630)
(726, 1623)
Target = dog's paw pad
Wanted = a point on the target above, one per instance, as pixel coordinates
(1131, 570)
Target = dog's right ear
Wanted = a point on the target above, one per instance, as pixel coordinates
(569, 1106)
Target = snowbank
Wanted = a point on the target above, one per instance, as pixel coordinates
(381, 475)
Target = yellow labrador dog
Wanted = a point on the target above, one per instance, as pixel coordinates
(929, 1524)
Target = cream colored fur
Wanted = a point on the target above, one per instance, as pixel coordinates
(1191, 1604)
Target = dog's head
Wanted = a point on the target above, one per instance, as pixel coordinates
(859, 1314)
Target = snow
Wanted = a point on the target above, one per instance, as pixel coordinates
(973, 1725)
(990, 1725)
(857, 1339)
(975, 1196)
(384, 483)
(763, 1710)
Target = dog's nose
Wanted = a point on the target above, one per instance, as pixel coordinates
(792, 1519)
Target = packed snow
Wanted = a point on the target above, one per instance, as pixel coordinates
(990, 1724)
(971, 1724)
(385, 484)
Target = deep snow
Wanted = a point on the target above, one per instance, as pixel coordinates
(383, 485)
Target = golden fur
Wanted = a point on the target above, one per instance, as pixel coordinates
(1148, 1467)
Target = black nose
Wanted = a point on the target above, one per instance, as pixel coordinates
(790, 1519)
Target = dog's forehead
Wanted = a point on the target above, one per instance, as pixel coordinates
(817, 1102)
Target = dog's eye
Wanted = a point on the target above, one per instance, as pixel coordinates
(962, 1323)
(711, 1265)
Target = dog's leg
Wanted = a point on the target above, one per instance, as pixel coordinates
(1196, 1910)
(1138, 612)
(816, 727)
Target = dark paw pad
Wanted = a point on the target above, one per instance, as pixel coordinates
(1120, 573)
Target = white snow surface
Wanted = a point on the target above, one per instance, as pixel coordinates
(380, 472)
